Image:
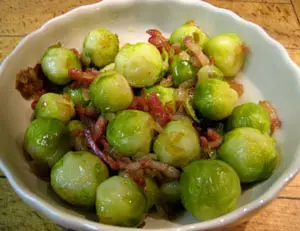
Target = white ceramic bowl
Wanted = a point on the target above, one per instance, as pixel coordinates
(269, 74)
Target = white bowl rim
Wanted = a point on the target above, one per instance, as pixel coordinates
(81, 223)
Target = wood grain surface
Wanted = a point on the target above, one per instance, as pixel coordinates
(280, 18)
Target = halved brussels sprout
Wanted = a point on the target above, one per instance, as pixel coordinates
(227, 51)
(130, 134)
(209, 188)
(214, 99)
(250, 115)
(188, 29)
(182, 70)
(209, 72)
(110, 92)
(55, 106)
(178, 144)
(120, 201)
(100, 47)
(152, 192)
(77, 95)
(165, 94)
(252, 154)
(76, 176)
(46, 140)
(141, 64)
(77, 138)
(56, 63)
(170, 192)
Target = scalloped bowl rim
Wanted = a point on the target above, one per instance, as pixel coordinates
(81, 223)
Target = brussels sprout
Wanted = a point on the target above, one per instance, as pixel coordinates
(214, 99)
(252, 154)
(120, 201)
(76, 176)
(152, 192)
(165, 94)
(227, 51)
(209, 71)
(78, 140)
(56, 63)
(110, 92)
(178, 144)
(46, 140)
(109, 67)
(131, 132)
(100, 47)
(188, 29)
(77, 95)
(209, 188)
(170, 192)
(55, 106)
(141, 64)
(250, 115)
(182, 70)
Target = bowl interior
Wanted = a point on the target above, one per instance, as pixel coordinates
(268, 74)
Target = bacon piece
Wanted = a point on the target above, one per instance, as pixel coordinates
(139, 103)
(157, 110)
(34, 103)
(85, 77)
(198, 57)
(275, 120)
(214, 138)
(238, 87)
(99, 127)
(81, 111)
(245, 48)
(76, 52)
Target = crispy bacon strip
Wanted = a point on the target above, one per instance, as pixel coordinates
(85, 77)
(139, 103)
(238, 87)
(87, 120)
(99, 127)
(210, 140)
(157, 110)
(275, 120)
(198, 57)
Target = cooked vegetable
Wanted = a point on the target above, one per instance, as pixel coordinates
(214, 99)
(188, 29)
(228, 52)
(131, 132)
(141, 64)
(100, 47)
(209, 71)
(165, 94)
(110, 92)
(56, 63)
(152, 192)
(76, 176)
(170, 192)
(121, 202)
(46, 140)
(55, 106)
(181, 71)
(250, 115)
(77, 138)
(209, 188)
(178, 144)
(252, 154)
(77, 95)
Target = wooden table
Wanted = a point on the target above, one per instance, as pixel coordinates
(280, 18)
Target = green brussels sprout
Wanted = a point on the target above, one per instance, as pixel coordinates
(100, 47)
(77, 95)
(78, 140)
(165, 94)
(120, 201)
(214, 99)
(181, 71)
(170, 192)
(56, 63)
(209, 188)
(178, 144)
(152, 192)
(46, 140)
(141, 64)
(110, 92)
(76, 176)
(227, 51)
(209, 72)
(109, 67)
(250, 115)
(130, 134)
(55, 106)
(252, 154)
(188, 29)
